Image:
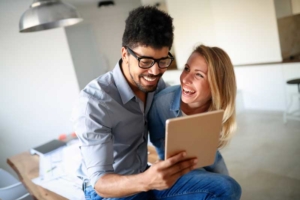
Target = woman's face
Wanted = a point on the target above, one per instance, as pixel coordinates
(194, 82)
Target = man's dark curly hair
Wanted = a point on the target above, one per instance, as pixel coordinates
(148, 26)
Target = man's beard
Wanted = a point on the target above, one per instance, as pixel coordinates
(140, 86)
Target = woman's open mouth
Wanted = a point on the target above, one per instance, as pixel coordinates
(188, 92)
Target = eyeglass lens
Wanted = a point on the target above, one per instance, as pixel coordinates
(147, 62)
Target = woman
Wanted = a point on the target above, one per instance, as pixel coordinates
(207, 84)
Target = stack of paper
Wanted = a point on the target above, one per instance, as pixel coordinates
(58, 171)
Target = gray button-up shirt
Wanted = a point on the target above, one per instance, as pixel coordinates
(111, 124)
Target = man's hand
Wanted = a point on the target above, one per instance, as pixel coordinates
(159, 176)
(164, 174)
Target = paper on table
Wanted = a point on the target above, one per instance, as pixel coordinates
(71, 159)
(58, 172)
(61, 162)
(51, 165)
(63, 186)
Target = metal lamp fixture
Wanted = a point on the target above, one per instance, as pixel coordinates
(48, 14)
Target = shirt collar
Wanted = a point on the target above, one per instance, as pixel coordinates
(175, 104)
(124, 89)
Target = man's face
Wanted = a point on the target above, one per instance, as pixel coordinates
(145, 80)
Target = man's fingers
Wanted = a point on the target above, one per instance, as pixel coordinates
(164, 173)
(184, 171)
(173, 160)
(182, 166)
(180, 169)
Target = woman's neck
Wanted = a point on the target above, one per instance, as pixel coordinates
(194, 108)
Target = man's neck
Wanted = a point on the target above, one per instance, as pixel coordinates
(142, 96)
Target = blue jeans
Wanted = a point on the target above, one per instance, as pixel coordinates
(196, 185)
(218, 166)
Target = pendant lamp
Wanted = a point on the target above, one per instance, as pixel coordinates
(48, 14)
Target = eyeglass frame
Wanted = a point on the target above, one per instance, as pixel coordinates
(130, 51)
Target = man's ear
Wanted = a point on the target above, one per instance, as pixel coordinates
(124, 55)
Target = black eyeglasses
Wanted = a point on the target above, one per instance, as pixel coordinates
(147, 62)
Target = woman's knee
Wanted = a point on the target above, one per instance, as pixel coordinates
(231, 187)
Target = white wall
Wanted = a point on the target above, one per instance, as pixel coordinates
(37, 83)
(247, 30)
(107, 25)
(193, 23)
(88, 60)
(264, 86)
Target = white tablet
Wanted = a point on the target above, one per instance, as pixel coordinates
(197, 134)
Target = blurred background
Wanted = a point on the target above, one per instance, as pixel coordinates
(41, 74)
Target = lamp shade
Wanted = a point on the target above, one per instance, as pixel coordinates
(48, 14)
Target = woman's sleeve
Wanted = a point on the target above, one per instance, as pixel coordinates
(156, 127)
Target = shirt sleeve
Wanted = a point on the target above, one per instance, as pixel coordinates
(92, 124)
(156, 127)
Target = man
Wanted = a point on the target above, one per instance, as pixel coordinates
(111, 123)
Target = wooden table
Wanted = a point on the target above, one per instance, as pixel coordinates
(27, 168)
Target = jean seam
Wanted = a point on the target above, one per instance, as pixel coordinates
(185, 193)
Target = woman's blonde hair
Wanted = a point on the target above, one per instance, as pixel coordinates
(222, 84)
